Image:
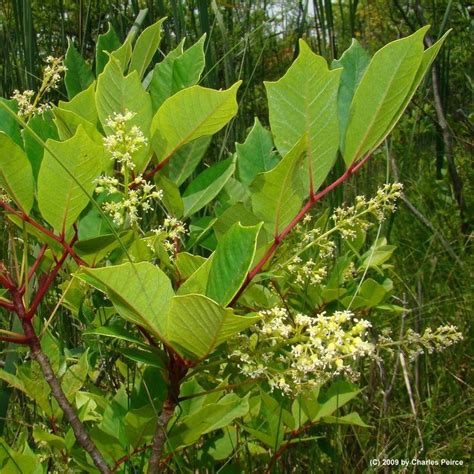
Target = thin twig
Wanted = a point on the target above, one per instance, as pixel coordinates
(159, 437)
(37, 353)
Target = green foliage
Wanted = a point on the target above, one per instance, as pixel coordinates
(304, 100)
(192, 113)
(78, 75)
(278, 194)
(16, 176)
(256, 154)
(145, 48)
(75, 163)
(167, 300)
(178, 70)
(384, 91)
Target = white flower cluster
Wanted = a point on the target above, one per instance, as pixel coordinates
(307, 272)
(172, 231)
(432, 341)
(414, 344)
(4, 195)
(28, 102)
(295, 353)
(348, 219)
(137, 194)
(52, 72)
(311, 270)
(24, 101)
(124, 141)
(134, 200)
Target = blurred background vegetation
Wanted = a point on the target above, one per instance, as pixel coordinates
(430, 152)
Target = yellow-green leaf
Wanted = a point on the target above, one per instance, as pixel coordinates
(303, 101)
(191, 113)
(16, 175)
(65, 187)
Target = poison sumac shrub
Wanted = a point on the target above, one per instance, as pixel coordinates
(221, 289)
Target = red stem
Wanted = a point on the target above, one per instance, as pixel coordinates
(6, 282)
(313, 199)
(157, 168)
(128, 456)
(37, 261)
(60, 239)
(15, 340)
(7, 305)
(47, 283)
(293, 434)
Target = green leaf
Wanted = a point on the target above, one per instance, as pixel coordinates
(378, 254)
(427, 60)
(352, 418)
(14, 462)
(78, 75)
(199, 230)
(187, 264)
(221, 448)
(171, 197)
(337, 396)
(7, 123)
(142, 356)
(177, 71)
(114, 332)
(210, 417)
(381, 94)
(61, 205)
(145, 48)
(45, 128)
(35, 386)
(303, 101)
(191, 113)
(234, 192)
(236, 213)
(141, 293)
(305, 407)
(106, 43)
(112, 419)
(75, 377)
(373, 292)
(83, 104)
(123, 55)
(231, 263)
(197, 282)
(67, 123)
(196, 325)
(118, 93)
(140, 425)
(207, 186)
(277, 195)
(52, 440)
(256, 154)
(354, 61)
(184, 161)
(16, 175)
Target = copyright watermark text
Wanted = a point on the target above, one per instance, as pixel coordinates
(376, 462)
